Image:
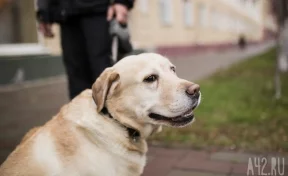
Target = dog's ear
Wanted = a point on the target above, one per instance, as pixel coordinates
(102, 86)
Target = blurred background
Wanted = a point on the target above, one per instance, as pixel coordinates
(229, 47)
(159, 25)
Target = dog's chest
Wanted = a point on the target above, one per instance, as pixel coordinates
(99, 161)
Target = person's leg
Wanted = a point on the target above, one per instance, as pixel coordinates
(98, 43)
(75, 57)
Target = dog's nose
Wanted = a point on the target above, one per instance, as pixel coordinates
(193, 90)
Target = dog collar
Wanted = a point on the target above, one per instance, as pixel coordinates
(133, 134)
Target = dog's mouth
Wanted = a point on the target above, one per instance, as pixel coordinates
(178, 121)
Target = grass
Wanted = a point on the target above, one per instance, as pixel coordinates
(238, 110)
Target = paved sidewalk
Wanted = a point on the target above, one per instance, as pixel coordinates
(199, 66)
(181, 162)
(31, 104)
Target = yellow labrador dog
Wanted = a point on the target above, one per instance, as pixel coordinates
(103, 131)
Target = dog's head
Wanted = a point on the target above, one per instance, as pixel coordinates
(144, 89)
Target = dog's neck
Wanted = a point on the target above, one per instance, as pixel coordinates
(134, 134)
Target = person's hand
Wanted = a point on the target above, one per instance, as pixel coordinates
(46, 30)
(120, 11)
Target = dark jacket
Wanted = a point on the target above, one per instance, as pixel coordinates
(51, 11)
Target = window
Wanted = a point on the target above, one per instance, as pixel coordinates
(221, 19)
(143, 6)
(228, 22)
(243, 1)
(203, 15)
(188, 13)
(231, 24)
(166, 11)
(218, 20)
(214, 18)
(18, 31)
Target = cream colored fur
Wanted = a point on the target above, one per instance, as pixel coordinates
(81, 141)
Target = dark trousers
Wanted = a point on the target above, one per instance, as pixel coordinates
(86, 46)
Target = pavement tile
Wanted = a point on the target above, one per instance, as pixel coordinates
(160, 166)
(200, 155)
(204, 165)
(7, 144)
(239, 168)
(232, 157)
(4, 154)
(150, 158)
(192, 173)
(165, 152)
(262, 169)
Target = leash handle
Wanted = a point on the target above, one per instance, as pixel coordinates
(120, 39)
(115, 45)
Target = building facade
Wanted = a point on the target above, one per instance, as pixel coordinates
(197, 22)
(153, 24)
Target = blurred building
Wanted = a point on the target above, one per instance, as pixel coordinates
(155, 24)
(192, 24)
(165, 26)
(18, 31)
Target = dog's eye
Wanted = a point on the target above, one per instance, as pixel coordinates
(151, 78)
(173, 69)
